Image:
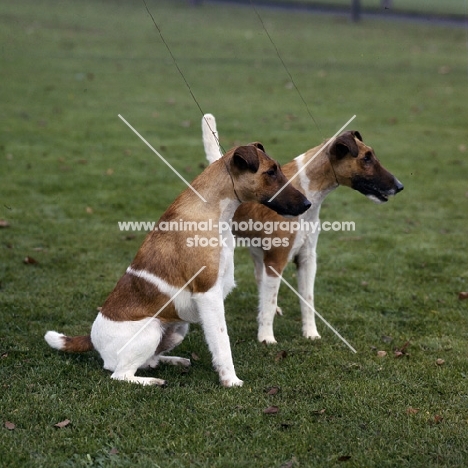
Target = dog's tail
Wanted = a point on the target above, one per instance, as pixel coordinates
(70, 344)
(210, 138)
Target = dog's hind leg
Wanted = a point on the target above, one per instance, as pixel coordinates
(173, 335)
(126, 346)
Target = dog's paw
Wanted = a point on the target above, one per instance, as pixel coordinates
(312, 335)
(183, 362)
(232, 382)
(267, 339)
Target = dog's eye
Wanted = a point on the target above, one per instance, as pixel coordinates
(367, 157)
(271, 172)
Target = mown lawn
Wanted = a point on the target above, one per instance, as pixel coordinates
(70, 170)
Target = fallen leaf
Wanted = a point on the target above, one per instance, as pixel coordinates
(4, 355)
(387, 339)
(113, 451)
(109, 171)
(272, 391)
(195, 357)
(344, 458)
(381, 353)
(271, 410)
(322, 411)
(438, 418)
(411, 410)
(462, 295)
(29, 261)
(280, 356)
(462, 148)
(440, 362)
(63, 423)
(4, 223)
(399, 352)
(9, 425)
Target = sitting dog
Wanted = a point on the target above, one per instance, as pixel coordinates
(346, 161)
(173, 282)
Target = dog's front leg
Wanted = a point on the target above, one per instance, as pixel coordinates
(306, 269)
(268, 296)
(210, 307)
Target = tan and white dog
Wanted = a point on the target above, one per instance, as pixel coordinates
(172, 282)
(346, 161)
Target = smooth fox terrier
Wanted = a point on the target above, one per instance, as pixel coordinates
(346, 161)
(148, 312)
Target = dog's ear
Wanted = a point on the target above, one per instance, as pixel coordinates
(245, 158)
(346, 144)
(356, 134)
(258, 145)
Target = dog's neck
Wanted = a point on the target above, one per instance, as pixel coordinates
(318, 174)
(216, 186)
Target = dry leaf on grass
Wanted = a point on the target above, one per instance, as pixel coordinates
(344, 458)
(271, 410)
(462, 295)
(281, 355)
(9, 425)
(63, 423)
(113, 451)
(195, 357)
(411, 410)
(272, 390)
(440, 362)
(381, 353)
(30, 261)
(399, 352)
(438, 419)
(4, 223)
(320, 412)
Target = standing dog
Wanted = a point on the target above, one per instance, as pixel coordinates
(173, 282)
(346, 161)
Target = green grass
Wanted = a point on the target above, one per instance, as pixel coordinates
(70, 170)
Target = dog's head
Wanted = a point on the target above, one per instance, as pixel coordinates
(257, 178)
(356, 166)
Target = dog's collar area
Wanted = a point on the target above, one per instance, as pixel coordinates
(232, 181)
(334, 173)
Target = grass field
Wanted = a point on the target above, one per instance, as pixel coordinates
(70, 170)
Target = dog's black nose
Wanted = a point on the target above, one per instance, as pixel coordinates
(399, 186)
(307, 204)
